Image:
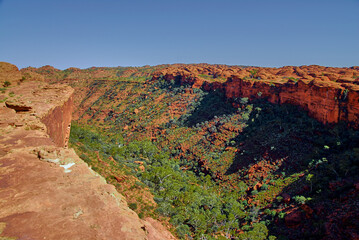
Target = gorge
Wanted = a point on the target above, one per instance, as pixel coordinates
(204, 151)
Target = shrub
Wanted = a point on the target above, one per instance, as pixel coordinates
(279, 198)
(301, 199)
(254, 192)
(281, 215)
(243, 100)
(345, 94)
(267, 211)
(254, 73)
(6, 83)
(132, 206)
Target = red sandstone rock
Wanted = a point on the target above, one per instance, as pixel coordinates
(18, 107)
(10, 73)
(308, 211)
(156, 230)
(286, 197)
(48, 192)
(314, 88)
(303, 190)
(52, 104)
(293, 219)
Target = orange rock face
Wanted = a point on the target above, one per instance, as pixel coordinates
(47, 191)
(51, 104)
(10, 73)
(58, 122)
(320, 99)
(328, 94)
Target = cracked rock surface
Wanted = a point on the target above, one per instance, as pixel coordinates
(46, 190)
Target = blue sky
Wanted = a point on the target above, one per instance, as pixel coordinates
(85, 33)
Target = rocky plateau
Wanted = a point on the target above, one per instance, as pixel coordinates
(328, 94)
(46, 190)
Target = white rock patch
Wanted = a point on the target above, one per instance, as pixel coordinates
(67, 166)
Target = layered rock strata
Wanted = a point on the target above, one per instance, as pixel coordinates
(46, 190)
(328, 94)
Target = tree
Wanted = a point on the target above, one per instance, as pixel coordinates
(6, 83)
(254, 73)
(258, 232)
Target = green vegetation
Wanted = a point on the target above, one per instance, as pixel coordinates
(301, 199)
(254, 73)
(213, 77)
(6, 84)
(192, 201)
(214, 170)
(293, 79)
(345, 94)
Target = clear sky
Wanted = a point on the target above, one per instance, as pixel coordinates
(85, 33)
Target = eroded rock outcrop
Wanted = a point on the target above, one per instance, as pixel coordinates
(52, 105)
(46, 190)
(328, 94)
(9, 73)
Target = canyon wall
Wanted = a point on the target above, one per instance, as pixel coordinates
(328, 103)
(328, 94)
(58, 122)
(46, 190)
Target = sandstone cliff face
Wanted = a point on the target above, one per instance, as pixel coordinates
(58, 122)
(47, 191)
(328, 94)
(9, 72)
(52, 105)
(328, 103)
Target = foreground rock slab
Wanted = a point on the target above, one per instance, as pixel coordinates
(61, 198)
(46, 190)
